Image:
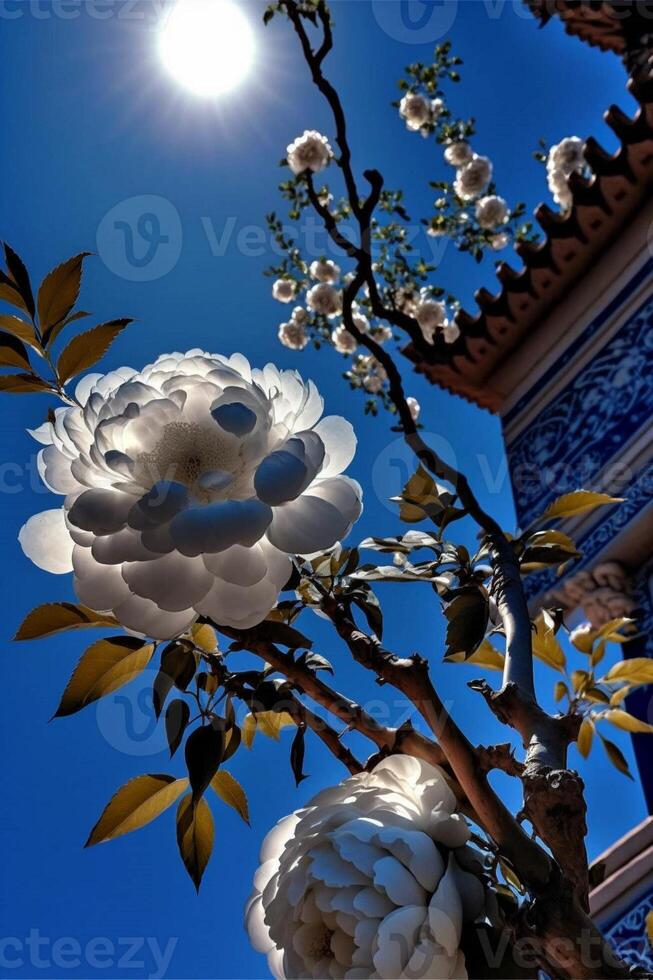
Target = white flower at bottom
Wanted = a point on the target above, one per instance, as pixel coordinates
(373, 878)
(310, 151)
(186, 487)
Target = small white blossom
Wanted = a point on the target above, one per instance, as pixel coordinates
(343, 341)
(450, 331)
(381, 334)
(430, 314)
(284, 290)
(414, 406)
(499, 241)
(437, 107)
(472, 179)
(568, 155)
(299, 315)
(361, 322)
(372, 383)
(325, 299)
(458, 154)
(324, 270)
(416, 110)
(293, 335)
(399, 559)
(491, 211)
(558, 183)
(310, 151)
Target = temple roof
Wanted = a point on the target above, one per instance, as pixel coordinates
(603, 206)
(596, 22)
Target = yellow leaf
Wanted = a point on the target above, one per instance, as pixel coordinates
(622, 719)
(55, 617)
(585, 737)
(598, 653)
(136, 804)
(249, 730)
(596, 695)
(545, 645)
(577, 502)
(560, 690)
(649, 928)
(231, 792)
(59, 291)
(583, 638)
(86, 348)
(270, 723)
(204, 637)
(620, 694)
(580, 679)
(615, 755)
(106, 666)
(195, 835)
(484, 656)
(637, 670)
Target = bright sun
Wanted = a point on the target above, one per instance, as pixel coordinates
(207, 45)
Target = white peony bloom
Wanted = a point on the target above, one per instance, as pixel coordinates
(310, 151)
(414, 406)
(491, 211)
(416, 110)
(187, 485)
(472, 179)
(430, 314)
(373, 878)
(324, 270)
(284, 290)
(458, 154)
(450, 331)
(568, 155)
(343, 341)
(325, 299)
(293, 335)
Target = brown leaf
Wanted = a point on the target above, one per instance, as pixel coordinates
(615, 755)
(55, 617)
(13, 352)
(176, 720)
(19, 328)
(21, 384)
(19, 278)
(204, 748)
(105, 667)
(195, 835)
(136, 804)
(58, 293)
(87, 348)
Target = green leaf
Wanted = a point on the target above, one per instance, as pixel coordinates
(58, 293)
(204, 748)
(136, 804)
(577, 502)
(56, 617)
(467, 616)
(637, 670)
(176, 721)
(105, 667)
(585, 737)
(627, 722)
(195, 835)
(87, 348)
(231, 792)
(615, 755)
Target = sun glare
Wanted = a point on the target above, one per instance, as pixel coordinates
(207, 45)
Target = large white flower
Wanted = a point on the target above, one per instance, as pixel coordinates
(373, 878)
(310, 151)
(187, 485)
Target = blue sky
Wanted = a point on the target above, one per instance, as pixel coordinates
(90, 123)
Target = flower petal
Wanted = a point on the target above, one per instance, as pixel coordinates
(46, 541)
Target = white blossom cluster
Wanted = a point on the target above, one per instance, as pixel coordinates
(564, 159)
(310, 151)
(375, 877)
(431, 316)
(419, 112)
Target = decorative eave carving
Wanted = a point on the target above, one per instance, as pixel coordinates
(603, 206)
(603, 593)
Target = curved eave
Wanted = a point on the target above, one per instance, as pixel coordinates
(572, 241)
